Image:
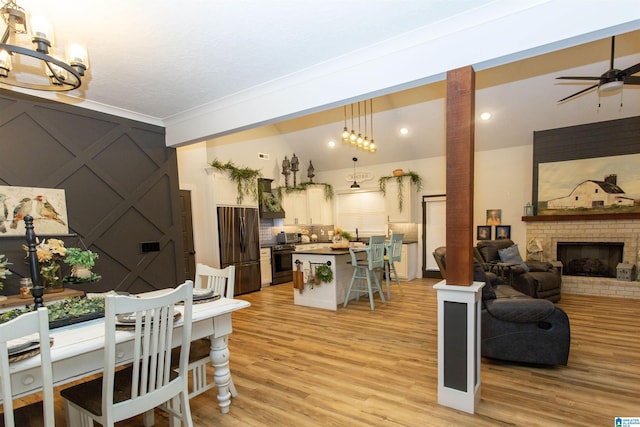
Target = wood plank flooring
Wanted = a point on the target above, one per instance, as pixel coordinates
(298, 366)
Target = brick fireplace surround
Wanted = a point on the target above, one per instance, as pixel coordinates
(585, 228)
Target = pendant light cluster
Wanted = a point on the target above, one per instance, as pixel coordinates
(358, 140)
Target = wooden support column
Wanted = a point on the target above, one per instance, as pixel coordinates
(460, 155)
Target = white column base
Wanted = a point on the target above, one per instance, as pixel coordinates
(459, 309)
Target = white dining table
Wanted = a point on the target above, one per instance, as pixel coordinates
(78, 350)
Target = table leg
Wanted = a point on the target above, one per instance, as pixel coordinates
(222, 375)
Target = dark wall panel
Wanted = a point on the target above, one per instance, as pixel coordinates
(121, 185)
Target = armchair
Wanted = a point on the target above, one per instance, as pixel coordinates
(516, 327)
(537, 279)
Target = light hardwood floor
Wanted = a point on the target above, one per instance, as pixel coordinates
(298, 366)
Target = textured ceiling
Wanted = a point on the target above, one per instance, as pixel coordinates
(155, 60)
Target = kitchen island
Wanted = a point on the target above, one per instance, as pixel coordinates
(324, 295)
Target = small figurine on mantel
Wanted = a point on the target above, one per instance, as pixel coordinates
(310, 171)
(294, 168)
(286, 165)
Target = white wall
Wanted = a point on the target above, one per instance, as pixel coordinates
(502, 181)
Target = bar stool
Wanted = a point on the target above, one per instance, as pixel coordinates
(394, 254)
(365, 269)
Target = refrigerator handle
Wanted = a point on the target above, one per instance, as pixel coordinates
(243, 233)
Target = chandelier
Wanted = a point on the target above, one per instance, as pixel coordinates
(34, 67)
(357, 140)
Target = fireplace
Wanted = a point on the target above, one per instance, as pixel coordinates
(593, 259)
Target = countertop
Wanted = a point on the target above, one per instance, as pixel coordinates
(324, 251)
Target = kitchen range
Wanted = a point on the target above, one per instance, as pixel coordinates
(281, 257)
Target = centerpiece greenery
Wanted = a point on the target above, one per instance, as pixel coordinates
(4, 271)
(67, 311)
(246, 179)
(414, 177)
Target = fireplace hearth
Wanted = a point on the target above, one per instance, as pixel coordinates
(592, 259)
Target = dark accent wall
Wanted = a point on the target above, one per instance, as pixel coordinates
(602, 139)
(121, 185)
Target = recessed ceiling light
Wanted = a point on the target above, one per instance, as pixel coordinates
(332, 143)
(404, 131)
(485, 116)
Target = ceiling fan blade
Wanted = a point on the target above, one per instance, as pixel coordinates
(629, 71)
(578, 93)
(578, 78)
(632, 80)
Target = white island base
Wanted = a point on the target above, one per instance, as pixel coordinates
(325, 295)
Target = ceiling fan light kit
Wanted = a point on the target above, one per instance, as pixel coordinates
(36, 68)
(611, 80)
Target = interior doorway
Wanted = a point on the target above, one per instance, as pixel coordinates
(187, 235)
(434, 232)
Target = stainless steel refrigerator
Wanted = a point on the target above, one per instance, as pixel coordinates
(239, 239)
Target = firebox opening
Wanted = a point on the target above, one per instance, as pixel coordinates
(595, 259)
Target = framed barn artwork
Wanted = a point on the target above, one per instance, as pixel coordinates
(47, 206)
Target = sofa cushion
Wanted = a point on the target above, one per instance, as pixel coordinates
(489, 248)
(512, 255)
(520, 310)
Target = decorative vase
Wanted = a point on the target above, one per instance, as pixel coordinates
(51, 278)
(398, 172)
(81, 272)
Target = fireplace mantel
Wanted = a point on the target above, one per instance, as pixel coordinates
(585, 217)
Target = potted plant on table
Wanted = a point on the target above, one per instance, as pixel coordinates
(81, 262)
(50, 252)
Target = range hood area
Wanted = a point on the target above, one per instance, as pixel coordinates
(265, 185)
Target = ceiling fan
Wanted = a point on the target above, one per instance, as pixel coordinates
(611, 80)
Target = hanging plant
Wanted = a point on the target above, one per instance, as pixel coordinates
(328, 189)
(246, 179)
(415, 179)
(324, 273)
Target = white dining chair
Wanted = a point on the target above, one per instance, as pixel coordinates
(365, 269)
(393, 254)
(22, 331)
(149, 381)
(221, 281)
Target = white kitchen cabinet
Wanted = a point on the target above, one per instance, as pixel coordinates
(265, 266)
(295, 208)
(225, 192)
(407, 266)
(394, 214)
(319, 209)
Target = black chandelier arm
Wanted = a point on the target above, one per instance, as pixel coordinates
(60, 85)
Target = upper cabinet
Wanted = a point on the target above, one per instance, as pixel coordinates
(225, 192)
(307, 207)
(295, 208)
(395, 211)
(319, 209)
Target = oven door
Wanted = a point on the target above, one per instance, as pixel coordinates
(281, 266)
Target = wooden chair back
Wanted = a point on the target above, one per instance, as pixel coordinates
(153, 381)
(220, 280)
(394, 248)
(375, 252)
(27, 326)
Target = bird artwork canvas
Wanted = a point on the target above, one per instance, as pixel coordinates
(47, 206)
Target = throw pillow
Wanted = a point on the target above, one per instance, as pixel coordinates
(512, 255)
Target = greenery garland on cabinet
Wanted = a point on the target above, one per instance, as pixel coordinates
(246, 179)
(415, 179)
(328, 189)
